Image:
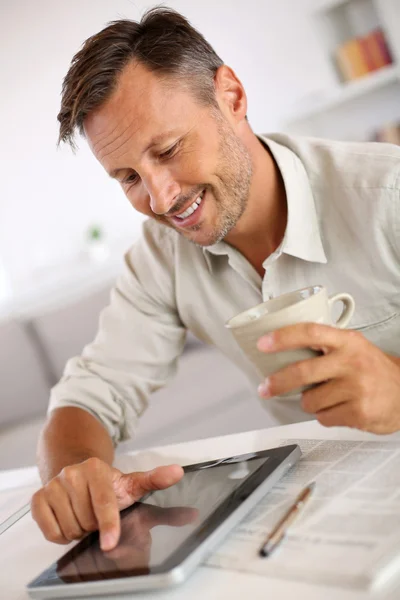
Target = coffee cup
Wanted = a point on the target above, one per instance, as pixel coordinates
(310, 304)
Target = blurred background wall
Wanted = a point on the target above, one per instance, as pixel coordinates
(49, 198)
(317, 67)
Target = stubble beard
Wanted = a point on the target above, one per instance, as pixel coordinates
(235, 171)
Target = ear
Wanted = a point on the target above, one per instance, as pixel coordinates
(230, 94)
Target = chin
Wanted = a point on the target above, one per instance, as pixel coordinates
(202, 238)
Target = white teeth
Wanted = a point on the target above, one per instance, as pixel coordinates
(192, 207)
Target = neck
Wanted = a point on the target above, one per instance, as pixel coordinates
(261, 228)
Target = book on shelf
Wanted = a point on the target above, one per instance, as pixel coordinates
(359, 56)
(376, 49)
(351, 60)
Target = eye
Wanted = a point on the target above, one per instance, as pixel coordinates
(132, 178)
(170, 152)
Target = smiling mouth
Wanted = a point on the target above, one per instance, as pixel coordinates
(192, 208)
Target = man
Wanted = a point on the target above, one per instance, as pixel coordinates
(233, 219)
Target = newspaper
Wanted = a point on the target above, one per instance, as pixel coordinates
(349, 533)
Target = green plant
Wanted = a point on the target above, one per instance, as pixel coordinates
(95, 233)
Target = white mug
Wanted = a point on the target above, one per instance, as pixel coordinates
(311, 304)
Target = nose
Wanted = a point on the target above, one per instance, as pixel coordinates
(163, 190)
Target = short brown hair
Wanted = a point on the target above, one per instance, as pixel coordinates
(164, 41)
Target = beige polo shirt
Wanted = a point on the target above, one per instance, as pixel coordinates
(343, 232)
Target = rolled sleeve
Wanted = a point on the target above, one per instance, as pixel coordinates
(137, 347)
(390, 219)
(396, 215)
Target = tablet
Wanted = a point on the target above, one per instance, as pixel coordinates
(169, 532)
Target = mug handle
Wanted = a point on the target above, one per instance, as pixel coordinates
(348, 308)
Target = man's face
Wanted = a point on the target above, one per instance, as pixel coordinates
(177, 161)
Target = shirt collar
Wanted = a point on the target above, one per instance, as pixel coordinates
(302, 237)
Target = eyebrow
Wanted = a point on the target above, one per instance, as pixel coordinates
(114, 174)
(153, 142)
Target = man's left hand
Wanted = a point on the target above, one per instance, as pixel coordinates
(358, 384)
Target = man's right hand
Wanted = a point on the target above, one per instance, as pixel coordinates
(89, 495)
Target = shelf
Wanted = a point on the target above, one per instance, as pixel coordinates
(327, 5)
(347, 92)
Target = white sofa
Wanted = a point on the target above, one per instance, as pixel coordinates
(23, 377)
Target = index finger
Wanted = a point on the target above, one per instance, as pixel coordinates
(303, 335)
(106, 510)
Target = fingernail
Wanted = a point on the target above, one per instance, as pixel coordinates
(263, 389)
(266, 342)
(107, 541)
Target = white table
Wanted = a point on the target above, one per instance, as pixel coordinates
(24, 552)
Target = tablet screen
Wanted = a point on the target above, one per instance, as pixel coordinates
(161, 530)
(154, 529)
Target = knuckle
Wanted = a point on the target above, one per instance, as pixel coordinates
(364, 392)
(357, 363)
(37, 496)
(36, 501)
(313, 331)
(325, 419)
(361, 389)
(90, 525)
(307, 404)
(94, 464)
(301, 371)
(88, 522)
(70, 474)
(55, 536)
(360, 362)
(277, 385)
(52, 491)
(72, 533)
(355, 336)
(48, 492)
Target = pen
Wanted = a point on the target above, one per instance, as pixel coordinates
(279, 531)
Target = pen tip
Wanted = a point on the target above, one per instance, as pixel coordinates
(311, 485)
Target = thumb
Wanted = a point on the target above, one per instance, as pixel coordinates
(135, 485)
